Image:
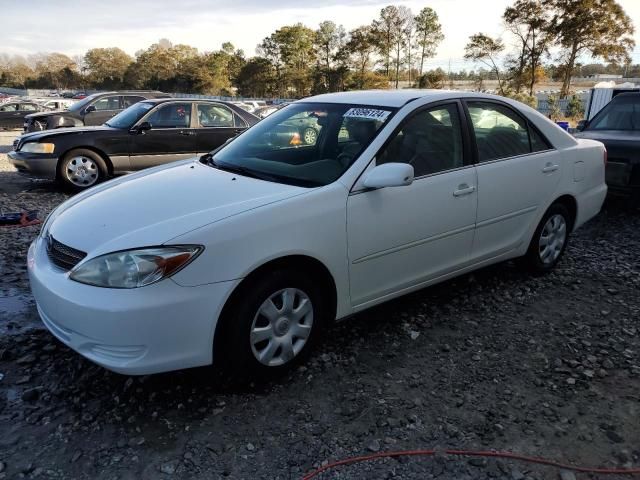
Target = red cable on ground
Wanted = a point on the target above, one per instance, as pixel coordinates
(472, 453)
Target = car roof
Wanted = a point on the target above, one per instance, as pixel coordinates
(394, 98)
(179, 99)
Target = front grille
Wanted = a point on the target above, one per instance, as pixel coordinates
(63, 255)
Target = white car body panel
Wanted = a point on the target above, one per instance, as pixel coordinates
(376, 244)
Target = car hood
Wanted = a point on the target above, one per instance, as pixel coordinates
(153, 206)
(59, 132)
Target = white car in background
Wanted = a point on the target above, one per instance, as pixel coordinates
(243, 257)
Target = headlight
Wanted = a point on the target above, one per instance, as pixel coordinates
(135, 268)
(35, 147)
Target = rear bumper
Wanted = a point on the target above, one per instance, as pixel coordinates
(623, 178)
(37, 164)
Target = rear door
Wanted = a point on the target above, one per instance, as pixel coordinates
(518, 171)
(105, 108)
(215, 123)
(172, 136)
(10, 115)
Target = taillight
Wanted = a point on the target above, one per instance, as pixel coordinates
(605, 157)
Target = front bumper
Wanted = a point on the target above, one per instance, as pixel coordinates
(42, 165)
(145, 330)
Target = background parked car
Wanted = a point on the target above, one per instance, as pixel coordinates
(80, 96)
(93, 110)
(12, 113)
(148, 133)
(55, 104)
(617, 125)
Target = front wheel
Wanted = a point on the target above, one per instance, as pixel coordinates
(81, 169)
(272, 324)
(549, 240)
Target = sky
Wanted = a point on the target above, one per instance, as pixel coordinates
(74, 26)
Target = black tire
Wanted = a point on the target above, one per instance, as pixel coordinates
(233, 351)
(533, 260)
(93, 176)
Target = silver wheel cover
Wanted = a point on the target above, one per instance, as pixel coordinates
(81, 171)
(552, 239)
(281, 327)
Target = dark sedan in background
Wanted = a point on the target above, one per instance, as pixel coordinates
(93, 110)
(12, 113)
(147, 134)
(617, 125)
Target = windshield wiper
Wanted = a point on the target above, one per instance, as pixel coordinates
(247, 172)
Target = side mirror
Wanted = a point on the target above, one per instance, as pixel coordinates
(89, 109)
(389, 175)
(582, 124)
(143, 127)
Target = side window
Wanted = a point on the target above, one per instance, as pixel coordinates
(107, 103)
(239, 121)
(172, 115)
(28, 107)
(499, 132)
(9, 107)
(129, 100)
(211, 115)
(538, 142)
(430, 140)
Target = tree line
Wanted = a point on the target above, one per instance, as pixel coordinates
(547, 40)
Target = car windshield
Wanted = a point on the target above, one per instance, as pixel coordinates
(623, 113)
(305, 144)
(128, 117)
(80, 104)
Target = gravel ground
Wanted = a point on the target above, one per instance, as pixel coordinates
(544, 366)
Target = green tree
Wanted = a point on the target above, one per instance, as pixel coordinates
(329, 43)
(292, 49)
(386, 30)
(528, 21)
(107, 67)
(575, 108)
(257, 78)
(428, 34)
(484, 49)
(360, 48)
(600, 28)
(554, 108)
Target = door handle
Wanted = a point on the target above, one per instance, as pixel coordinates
(188, 132)
(550, 167)
(464, 189)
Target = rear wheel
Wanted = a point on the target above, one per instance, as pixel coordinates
(81, 169)
(549, 240)
(271, 325)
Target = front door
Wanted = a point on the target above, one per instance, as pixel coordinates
(517, 172)
(171, 136)
(215, 124)
(403, 236)
(105, 108)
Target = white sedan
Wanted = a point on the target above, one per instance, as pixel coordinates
(242, 257)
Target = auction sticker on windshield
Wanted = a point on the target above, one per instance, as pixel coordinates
(371, 113)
